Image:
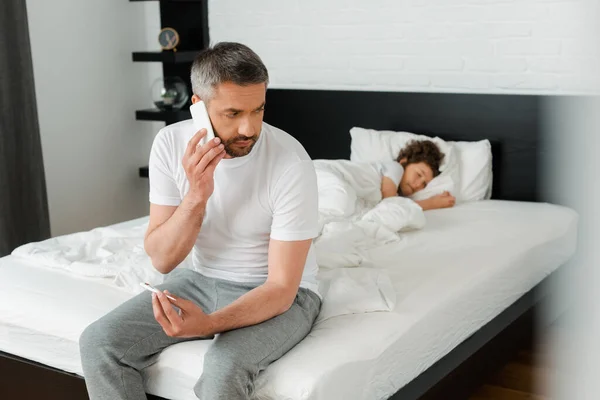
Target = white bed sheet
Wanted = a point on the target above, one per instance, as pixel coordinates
(467, 265)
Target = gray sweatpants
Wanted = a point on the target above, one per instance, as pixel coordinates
(117, 346)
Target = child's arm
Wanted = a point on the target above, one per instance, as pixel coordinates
(388, 188)
(444, 200)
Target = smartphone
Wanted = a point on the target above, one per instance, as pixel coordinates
(151, 288)
(202, 120)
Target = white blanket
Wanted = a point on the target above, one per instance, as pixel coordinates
(117, 258)
(115, 254)
(353, 218)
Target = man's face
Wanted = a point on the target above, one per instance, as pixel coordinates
(236, 113)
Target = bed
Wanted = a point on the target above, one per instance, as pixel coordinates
(465, 286)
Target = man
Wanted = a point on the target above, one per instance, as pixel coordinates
(245, 204)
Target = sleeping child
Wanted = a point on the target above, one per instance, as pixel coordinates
(342, 183)
(416, 165)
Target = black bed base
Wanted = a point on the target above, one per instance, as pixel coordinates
(468, 365)
(457, 374)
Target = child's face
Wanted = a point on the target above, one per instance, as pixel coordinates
(416, 177)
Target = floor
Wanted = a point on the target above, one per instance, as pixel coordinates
(527, 375)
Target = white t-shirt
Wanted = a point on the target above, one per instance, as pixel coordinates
(269, 193)
(390, 169)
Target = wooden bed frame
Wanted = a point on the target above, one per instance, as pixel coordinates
(321, 120)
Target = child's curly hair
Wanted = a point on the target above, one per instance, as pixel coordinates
(422, 151)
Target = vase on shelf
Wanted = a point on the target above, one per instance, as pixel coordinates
(169, 93)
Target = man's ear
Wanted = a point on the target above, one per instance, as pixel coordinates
(403, 161)
(195, 99)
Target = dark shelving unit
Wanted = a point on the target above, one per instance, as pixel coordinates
(169, 117)
(190, 19)
(143, 172)
(173, 1)
(164, 56)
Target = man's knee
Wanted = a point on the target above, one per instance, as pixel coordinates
(100, 336)
(226, 375)
(110, 340)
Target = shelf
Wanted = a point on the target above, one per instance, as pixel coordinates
(143, 172)
(172, 1)
(165, 56)
(153, 114)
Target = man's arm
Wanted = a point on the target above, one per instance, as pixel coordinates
(172, 230)
(274, 297)
(295, 220)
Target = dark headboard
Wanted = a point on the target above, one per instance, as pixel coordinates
(321, 121)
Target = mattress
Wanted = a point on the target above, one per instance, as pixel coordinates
(466, 266)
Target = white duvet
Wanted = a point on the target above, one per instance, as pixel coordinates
(353, 219)
(107, 252)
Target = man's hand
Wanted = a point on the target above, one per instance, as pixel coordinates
(199, 163)
(190, 322)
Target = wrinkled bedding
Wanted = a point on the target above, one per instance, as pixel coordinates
(353, 217)
(353, 220)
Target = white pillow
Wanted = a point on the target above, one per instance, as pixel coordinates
(372, 145)
(476, 175)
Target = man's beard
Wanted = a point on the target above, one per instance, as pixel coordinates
(232, 151)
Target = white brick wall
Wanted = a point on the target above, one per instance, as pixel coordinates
(516, 46)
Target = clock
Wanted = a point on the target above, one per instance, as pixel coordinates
(168, 38)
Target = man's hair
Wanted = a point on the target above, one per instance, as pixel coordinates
(422, 151)
(226, 62)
